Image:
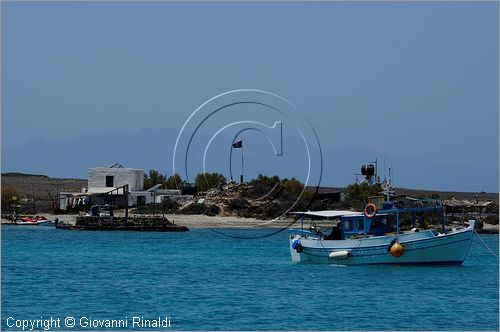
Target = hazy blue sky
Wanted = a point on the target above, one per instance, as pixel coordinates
(414, 79)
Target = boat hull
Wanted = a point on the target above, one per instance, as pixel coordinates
(419, 248)
(35, 223)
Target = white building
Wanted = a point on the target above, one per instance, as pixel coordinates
(104, 179)
(113, 179)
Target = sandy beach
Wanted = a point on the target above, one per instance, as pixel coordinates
(203, 221)
(199, 221)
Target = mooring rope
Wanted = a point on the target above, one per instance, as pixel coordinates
(484, 243)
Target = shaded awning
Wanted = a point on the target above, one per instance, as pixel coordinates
(466, 203)
(329, 213)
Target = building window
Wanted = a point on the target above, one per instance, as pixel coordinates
(110, 181)
(141, 200)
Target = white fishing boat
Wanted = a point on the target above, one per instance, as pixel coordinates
(376, 237)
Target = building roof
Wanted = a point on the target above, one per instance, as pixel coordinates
(116, 169)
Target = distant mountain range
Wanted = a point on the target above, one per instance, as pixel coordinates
(153, 149)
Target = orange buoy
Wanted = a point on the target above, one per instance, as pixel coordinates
(397, 250)
(370, 210)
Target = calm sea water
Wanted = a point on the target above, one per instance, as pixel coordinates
(203, 280)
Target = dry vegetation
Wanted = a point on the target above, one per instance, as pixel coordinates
(42, 188)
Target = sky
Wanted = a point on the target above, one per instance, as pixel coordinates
(412, 79)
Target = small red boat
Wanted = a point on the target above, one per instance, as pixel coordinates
(32, 220)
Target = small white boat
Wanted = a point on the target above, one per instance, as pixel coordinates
(376, 238)
(32, 223)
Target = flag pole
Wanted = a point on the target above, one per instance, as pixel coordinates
(230, 162)
(242, 165)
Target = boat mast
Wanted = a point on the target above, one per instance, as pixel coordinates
(388, 185)
(397, 224)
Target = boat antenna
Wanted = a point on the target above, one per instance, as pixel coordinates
(385, 174)
(388, 185)
(392, 177)
(389, 180)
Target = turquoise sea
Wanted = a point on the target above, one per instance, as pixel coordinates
(206, 281)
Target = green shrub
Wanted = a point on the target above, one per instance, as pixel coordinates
(492, 220)
(359, 192)
(292, 186)
(205, 181)
(153, 178)
(238, 204)
(174, 182)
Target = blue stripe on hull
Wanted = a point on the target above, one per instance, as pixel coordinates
(447, 263)
(419, 248)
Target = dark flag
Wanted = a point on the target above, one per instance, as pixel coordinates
(238, 144)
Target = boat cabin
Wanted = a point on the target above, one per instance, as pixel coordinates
(357, 224)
